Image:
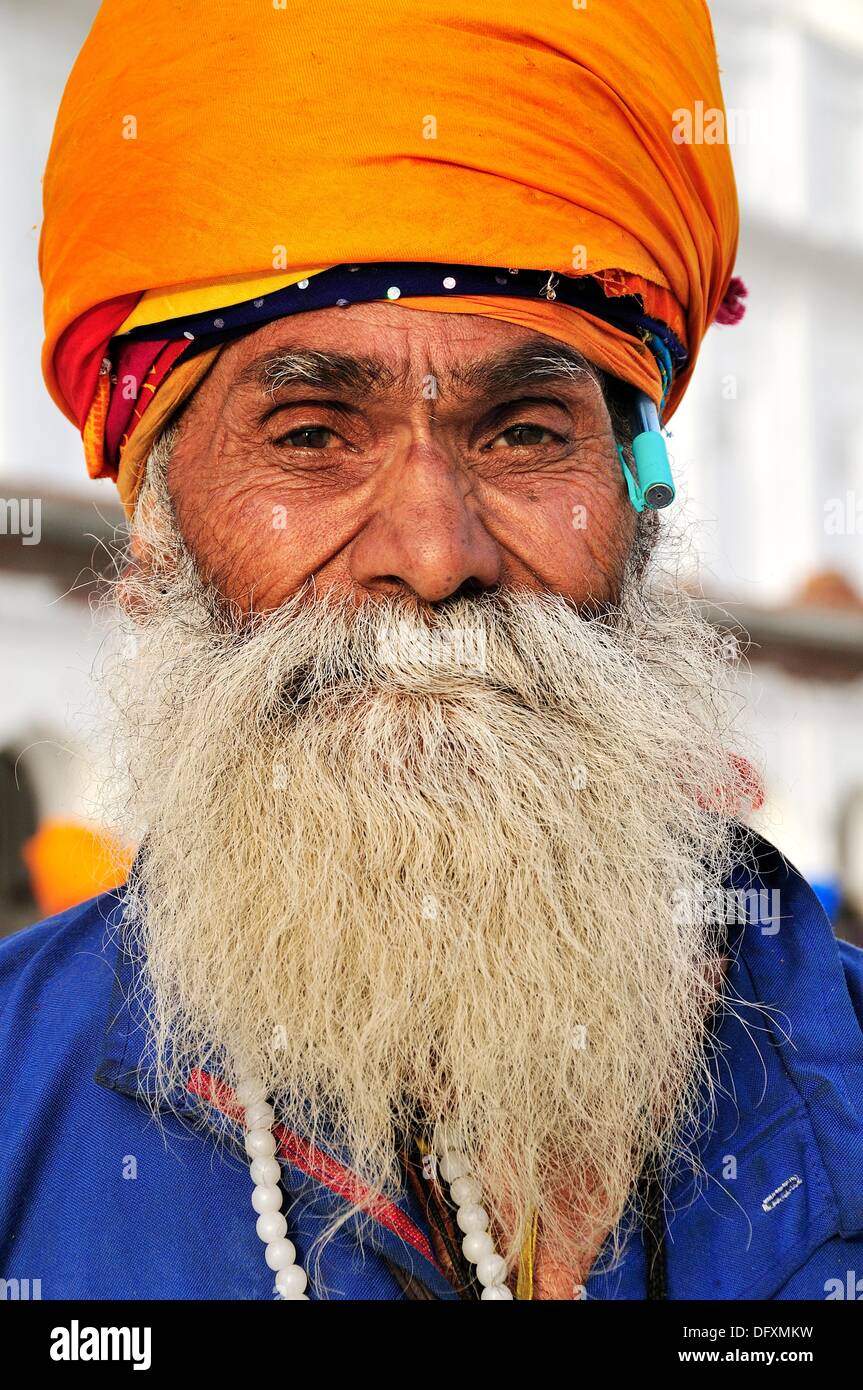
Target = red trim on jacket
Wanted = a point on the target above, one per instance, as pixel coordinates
(320, 1166)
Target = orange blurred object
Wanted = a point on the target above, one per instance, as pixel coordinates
(70, 862)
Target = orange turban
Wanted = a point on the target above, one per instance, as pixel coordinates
(207, 153)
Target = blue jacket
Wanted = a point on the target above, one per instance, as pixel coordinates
(98, 1201)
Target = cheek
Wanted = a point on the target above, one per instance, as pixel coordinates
(257, 544)
(572, 537)
(609, 529)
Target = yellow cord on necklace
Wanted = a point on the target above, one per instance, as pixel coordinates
(524, 1284)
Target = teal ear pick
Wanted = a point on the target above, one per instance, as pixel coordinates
(655, 485)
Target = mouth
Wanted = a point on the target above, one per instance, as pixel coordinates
(303, 690)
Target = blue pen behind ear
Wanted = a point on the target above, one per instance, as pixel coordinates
(655, 485)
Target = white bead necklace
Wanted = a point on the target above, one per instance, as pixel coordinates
(272, 1228)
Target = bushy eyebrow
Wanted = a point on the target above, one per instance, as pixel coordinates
(499, 374)
(507, 373)
(330, 370)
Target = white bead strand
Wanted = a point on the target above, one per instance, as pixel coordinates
(272, 1228)
(472, 1218)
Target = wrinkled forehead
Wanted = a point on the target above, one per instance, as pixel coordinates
(391, 350)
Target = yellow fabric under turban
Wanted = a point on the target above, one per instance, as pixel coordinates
(203, 149)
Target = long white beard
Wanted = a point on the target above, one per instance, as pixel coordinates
(418, 868)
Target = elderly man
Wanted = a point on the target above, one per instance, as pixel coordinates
(443, 922)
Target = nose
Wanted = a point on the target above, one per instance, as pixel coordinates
(424, 534)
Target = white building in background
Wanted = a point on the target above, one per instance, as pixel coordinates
(767, 447)
(769, 440)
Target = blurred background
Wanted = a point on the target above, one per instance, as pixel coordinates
(767, 450)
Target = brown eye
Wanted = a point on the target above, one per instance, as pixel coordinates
(308, 437)
(524, 436)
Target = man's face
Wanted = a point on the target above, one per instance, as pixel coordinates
(402, 452)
